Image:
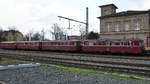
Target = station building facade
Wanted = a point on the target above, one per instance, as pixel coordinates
(124, 25)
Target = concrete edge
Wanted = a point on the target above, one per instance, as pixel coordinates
(18, 66)
(2, 82)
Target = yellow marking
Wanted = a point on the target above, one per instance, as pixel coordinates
(147, 48)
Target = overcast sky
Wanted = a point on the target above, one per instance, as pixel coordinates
(33, 15)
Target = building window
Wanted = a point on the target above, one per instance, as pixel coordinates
(117, 27)
(137, 25)
(126, 27)
(108, 28)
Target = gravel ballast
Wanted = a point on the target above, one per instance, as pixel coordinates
(48, 75)
(78, 57)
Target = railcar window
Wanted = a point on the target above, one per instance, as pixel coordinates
(52, 43)
(55, 43)
(136, 43)
(58, 43)
(108, 43)
(22, 44)
(46, 43)
(116, 43)
(102, 43)
(126, 43)
(61, 43)
(77, 43)
(49, 43)
(91, 43)
(122, 43)
(141, 44)
(26, 43)
(37, 44)
(71, 43)
(34, 44)
(85, 43)
(66, 43)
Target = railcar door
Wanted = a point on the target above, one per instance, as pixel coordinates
(79, 45)
(40, 45)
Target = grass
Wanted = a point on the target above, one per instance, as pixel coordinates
(5, 62)
(94, 73)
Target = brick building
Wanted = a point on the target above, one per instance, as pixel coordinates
(124, 25)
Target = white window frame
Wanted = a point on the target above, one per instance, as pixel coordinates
(137, 25)
(107, 27)
(126, 26)
(117, 27)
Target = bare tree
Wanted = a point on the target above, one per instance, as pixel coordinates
(12, 28)
(82, 31)
(36, 36)
(1, 34)
(28, 36)
(57, 32)
(42, 35)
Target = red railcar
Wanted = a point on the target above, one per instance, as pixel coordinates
(8, 45)
(114, 46)
(106, 45)
(28, 45)
(61, 45)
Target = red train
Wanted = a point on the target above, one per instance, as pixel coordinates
(105, 45)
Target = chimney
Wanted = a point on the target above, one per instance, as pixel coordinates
(108, 9)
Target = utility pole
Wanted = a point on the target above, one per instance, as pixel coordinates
(86, 23)
(148, 36)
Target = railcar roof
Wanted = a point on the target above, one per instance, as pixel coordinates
(26, 41)
(114, 40)
(61, 41)
(8, 42)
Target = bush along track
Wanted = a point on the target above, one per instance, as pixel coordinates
(95, 73)
(77, 63)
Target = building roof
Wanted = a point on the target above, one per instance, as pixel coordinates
(124, 13)
(109, 5)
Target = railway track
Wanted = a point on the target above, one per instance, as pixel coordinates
(85, 63)
(145, 58)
